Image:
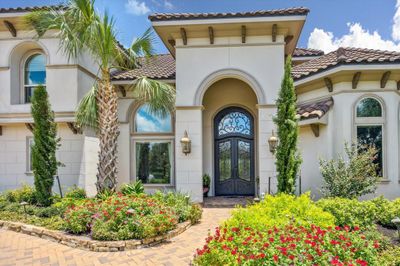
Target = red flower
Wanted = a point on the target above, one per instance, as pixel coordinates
(276, 258)
(291, 257)
(361, 262)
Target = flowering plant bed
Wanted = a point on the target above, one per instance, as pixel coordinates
(135, 217)
(289, 245)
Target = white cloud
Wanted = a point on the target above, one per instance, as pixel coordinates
(169, 5)
(357, 37)
(137, 8)
(396, 23)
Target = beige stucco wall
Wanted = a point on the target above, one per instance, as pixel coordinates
(13, 157)
(341, 128)
(220, 95)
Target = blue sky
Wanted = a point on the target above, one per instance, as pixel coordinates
(330, 24)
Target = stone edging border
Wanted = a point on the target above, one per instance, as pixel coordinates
(89, 244)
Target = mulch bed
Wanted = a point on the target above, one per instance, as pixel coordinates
(392, 234)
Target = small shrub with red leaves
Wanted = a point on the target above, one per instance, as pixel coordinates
(288, 245)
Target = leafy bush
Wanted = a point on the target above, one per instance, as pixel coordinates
(53, 223)
(121, 217)
(281, 210)
(362, 213)
(76, 193)
(195, 213)
(390, 257)
(134, 188)
(350, 212)
(289, 245)
(353, 178)
(25, 193)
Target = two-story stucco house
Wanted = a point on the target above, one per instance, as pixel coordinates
(227, 70)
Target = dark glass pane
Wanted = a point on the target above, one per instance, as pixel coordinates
(372, 136)
(369, 107)
(35, 70)
(235, 122)
(225, 160)
(153, 162)
(145, 122)
(244, 160)
(28, 94)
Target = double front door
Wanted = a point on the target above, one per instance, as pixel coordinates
(234, 152)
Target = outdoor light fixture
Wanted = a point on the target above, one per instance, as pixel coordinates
(186, 143)
(273, 143)
(24, 205)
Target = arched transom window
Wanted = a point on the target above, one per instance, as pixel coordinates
(34, 74)
(153, 147)
(369, 122)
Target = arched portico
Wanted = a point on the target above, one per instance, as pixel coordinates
(225, 74)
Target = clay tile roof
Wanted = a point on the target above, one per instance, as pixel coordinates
(344, 56)
(315, 109)
(156, 67)
(29, 9)
(306, 52)
(295, 11)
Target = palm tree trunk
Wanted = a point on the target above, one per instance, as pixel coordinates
(108, 135)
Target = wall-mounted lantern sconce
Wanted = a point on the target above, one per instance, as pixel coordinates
(273, 143)
(186, 143)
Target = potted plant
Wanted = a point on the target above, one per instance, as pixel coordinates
(206, 184)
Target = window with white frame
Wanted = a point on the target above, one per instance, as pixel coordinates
(369, 127)
(34, 74)
(29, 144)
(153, 147)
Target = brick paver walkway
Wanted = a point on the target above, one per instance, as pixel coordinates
(21, 249)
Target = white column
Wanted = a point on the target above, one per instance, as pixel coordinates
(189, 168)
(266, 159)
(88, 169)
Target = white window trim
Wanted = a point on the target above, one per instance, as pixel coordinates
(159, 139)
(22, 73)
(29, 142)
(372, 121)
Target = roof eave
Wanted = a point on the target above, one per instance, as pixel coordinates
(345, 67)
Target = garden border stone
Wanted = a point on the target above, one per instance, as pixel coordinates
(85, 243)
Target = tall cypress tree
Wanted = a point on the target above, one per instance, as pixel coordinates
(45, 144)
(288, 158)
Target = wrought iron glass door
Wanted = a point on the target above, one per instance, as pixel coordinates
(234, 152)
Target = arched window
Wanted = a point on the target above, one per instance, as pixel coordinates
(153, 147)
(369, 123)
(34, 74)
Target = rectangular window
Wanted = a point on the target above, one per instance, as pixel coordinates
(372, 135)
(154, 161)
(29, 144)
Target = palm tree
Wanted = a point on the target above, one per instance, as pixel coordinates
(81, 29)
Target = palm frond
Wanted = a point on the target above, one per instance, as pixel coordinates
(86, 115)
(159, 96)
(143, 46)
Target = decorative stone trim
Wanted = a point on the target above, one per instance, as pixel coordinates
(85, 243)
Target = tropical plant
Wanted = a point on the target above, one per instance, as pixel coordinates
(288, 158)
(81, 29)
(206, 180)
(45, 144)
(134, 188)
(353, 177)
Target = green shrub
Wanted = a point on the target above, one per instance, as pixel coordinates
(390, 257)
(195, 213)
(24, 193)
(105, 194)
(180, 202)
(132, 188)
(121, 217)
(48, 212)
(279, 211)
(53, 223)
(352, 177)
(350, 212)
(76, 193)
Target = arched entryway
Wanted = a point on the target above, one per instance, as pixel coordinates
(234, 152)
